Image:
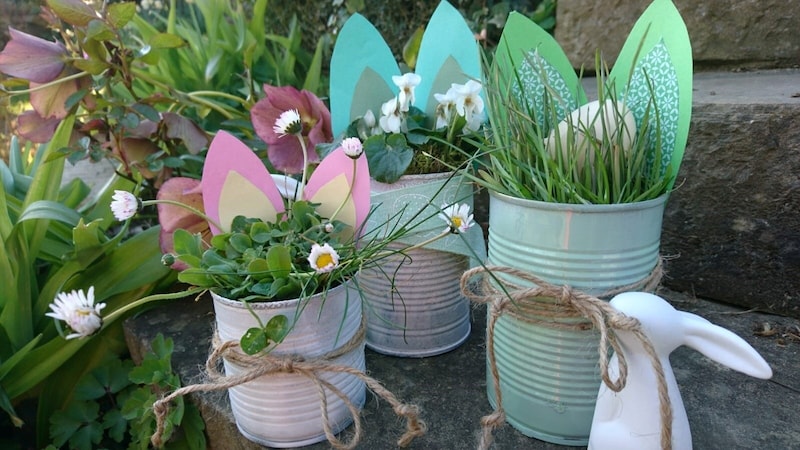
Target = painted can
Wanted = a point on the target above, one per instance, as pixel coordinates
(283, 410)
(549, 376)
(414, 303)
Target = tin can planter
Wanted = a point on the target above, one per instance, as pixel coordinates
(414, 304)
(283, 410)
(547, 367)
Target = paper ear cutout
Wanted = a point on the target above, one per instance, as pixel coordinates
(235, 182)
(362, 65)
(657, 52)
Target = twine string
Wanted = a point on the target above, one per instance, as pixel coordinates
(563, 307)
(257, 366)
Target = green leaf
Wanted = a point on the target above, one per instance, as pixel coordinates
(388, 159)
(115, 424)
(187, 243)
(50, 210)
(260, 232)
(77, 425)
(119, 14)
(166, 40)
(279, 259)
(240, 242)
(74, 12)
(277, 328)
(99, 31)
(254, 340)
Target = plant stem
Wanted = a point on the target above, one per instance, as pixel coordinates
(195, 211)
(349, 192)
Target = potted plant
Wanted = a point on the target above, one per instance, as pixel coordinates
(413, 126)
(577, 192)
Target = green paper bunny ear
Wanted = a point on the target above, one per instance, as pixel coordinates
(362, 66)
(656, 61)
(529, 55)
(448, 54)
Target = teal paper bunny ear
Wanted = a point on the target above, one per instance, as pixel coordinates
(448, 54)
(657, 59)
(362, 66)
(529, 55)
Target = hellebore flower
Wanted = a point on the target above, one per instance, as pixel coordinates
(32, 58)
(285, 152)
(79, 311)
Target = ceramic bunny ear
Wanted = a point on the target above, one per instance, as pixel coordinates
(448, 54)
(332, 180)
(362, 66)
(529, 55)
(658, 53)
(723, 346)
(235, 182)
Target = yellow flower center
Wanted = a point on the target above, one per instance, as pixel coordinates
(456, 221)
(324, 260)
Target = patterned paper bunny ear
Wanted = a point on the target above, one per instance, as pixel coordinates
(235, 182)
(528, 55)
(658, 54)
(448, 54)
(362, 66)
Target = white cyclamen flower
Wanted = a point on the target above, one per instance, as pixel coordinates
(390, 120)
(352, 147)
(124, 205)
(458, 218)
(288, 123)
(323, 258)
(469, 103)
(78, 311)
(406, 82)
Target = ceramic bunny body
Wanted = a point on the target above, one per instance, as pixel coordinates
(630, 419)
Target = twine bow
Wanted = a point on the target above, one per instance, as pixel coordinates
(544, 302)
(259, 365)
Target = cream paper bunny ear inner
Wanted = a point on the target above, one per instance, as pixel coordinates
(448, 54)
(656, 62)
(362, 66)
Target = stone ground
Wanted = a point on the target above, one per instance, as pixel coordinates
(726, 409)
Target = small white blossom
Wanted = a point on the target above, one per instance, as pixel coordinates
(288, 123)
(406, 82)
(78, 311)
(323, 258)
(329, 227)
(352, 147)
(124, 205)
(469, 103)
(445, 108)
(390, 120)
(458, 218)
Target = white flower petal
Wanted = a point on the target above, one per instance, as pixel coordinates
(124, 205)
(78, 311)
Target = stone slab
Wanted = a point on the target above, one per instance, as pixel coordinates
(725, 408)
(724, 33)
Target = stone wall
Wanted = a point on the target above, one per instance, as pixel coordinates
(725, 33)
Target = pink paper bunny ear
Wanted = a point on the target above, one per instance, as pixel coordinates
(235, 182)
(331, 181)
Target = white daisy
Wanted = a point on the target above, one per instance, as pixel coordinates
(458, 218)
(288, 123)
(352, 147)
(323, 258)
(78, 311)
(124, 205)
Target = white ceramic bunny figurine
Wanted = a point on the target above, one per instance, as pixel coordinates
(629, 419)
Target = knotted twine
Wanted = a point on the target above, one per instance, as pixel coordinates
(265, 364)
(547, 304)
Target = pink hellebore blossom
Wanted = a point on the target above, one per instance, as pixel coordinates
(32, 58)
(171, 217)
(285, 151)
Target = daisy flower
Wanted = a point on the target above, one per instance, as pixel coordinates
(458, 218)
(288, 123)
(323, 258)
(352, 147)
(79, 312)
(124, 205)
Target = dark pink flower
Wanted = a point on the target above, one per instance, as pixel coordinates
(32, 58)
(285, 152)
(34, 128)
(171, 217)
